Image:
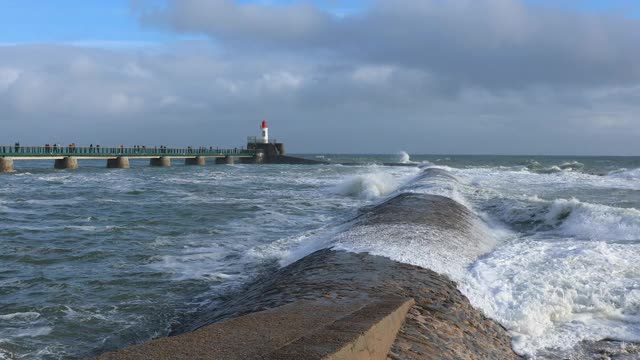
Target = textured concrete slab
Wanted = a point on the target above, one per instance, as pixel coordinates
(366, 334)
(441, 325)
(252, 336)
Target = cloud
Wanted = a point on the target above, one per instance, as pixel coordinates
(481, 76)
(239, 21)
(490, 43)
(7, 77)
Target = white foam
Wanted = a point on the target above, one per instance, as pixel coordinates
(82, 227)
(571, 165)
(34, 332)
(405, 158)
(594, 221)
(29, 315)
(572, 273)
(202, 263)
(555, 293)
(6, 355)
(368, 186)
(55, 202)
(633, 174)
(446, 252)
(448, 186)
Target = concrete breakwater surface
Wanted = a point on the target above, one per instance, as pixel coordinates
(537, 255)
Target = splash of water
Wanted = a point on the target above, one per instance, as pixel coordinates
(405, 158)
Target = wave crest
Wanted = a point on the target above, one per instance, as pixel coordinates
(405, 158)
(536, 167)
(571, 218)
(368, 186)
(633, 174)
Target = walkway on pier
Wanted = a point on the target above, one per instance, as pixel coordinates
(66, 157)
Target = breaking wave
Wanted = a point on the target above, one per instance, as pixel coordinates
(368, 186)
(405, 158)
(633, 174)
(552, 294)
(537, 167)
(572, 218)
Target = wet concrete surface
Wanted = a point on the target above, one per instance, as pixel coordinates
(442, 324)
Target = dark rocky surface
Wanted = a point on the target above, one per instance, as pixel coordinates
(433, 211)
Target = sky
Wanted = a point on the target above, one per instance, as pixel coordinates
(530, 77)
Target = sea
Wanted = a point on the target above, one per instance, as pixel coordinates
(95, 259)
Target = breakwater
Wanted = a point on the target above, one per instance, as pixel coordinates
(441, 325)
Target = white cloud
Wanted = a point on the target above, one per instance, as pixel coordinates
(8, 76)
(372, 74)
(281, 81)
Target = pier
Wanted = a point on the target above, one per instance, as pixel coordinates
(67, 157)
(259, 150)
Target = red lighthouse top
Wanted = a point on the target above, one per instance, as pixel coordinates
(264, 124)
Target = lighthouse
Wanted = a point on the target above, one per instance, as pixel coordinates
(265, 132)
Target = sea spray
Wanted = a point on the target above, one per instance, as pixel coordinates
(554, 294)
(633, 174)
(405, 158)
(368, 186)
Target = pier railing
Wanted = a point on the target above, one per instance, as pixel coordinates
(99, 151)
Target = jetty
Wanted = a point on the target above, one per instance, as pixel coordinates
(333, 304)
(66, 157)
(258, 150)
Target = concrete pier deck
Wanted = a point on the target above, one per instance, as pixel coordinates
(67, 157)
(321, 329)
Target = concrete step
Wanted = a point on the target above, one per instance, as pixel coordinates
(319, 329)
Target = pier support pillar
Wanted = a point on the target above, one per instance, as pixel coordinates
(162, 161)
(68, 162)
(227, 160)
(198, 160)
(118, 163)
(6, 165)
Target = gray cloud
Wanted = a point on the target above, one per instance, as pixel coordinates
(489, 43)
(279, 23)
(482, 76)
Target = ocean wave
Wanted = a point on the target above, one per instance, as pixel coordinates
(431, 231)
(554, 294)
(550, 170)
(405, 158)
(593, 221)
(34, 332)
(633, 174)
(536, 167)
(25, 316)
(437, 181)
(569, 218)
(572, 165)
(368, 186)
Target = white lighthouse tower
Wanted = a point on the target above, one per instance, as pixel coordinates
(265, 132)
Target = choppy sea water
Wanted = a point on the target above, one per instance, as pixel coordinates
(95, 259)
